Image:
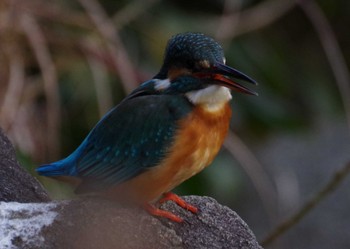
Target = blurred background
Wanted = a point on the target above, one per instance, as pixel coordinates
(63, 64)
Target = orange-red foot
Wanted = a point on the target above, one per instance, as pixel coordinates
(175, 198)
(162, 213)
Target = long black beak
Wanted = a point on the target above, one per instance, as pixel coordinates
(221, 74)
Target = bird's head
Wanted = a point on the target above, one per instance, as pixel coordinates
(195, 64)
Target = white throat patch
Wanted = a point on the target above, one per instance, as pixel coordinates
(212, 97)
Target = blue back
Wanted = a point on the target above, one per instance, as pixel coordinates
(132, 137)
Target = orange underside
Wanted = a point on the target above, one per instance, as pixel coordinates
(198, 142)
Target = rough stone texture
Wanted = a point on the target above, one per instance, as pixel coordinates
(98, 223)
(215, 226)
(15, 183)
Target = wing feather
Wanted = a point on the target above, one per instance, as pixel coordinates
(132, 137)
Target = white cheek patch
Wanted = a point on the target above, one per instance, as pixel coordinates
(161, 85)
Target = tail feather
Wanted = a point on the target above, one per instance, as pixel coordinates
(59, 168)
(53, 169)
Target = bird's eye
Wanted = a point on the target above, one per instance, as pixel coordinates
(203, 64)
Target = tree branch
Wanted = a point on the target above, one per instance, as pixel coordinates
(331, 49)
(255, 171)
(115, 46)
(254, 18)
(331, 186)
(40, 48)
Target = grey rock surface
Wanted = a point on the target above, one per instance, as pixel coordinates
(98, 223)
(215, 226)
(16, 184)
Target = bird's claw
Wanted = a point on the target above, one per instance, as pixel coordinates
(182, 203)
(162, 213)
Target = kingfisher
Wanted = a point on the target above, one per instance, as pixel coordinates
(164, 132)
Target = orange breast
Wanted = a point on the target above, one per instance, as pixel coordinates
(199, 139)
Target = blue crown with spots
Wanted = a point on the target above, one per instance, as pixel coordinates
(184, 50)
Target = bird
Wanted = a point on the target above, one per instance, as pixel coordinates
(167, 130)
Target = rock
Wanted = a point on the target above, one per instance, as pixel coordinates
(22, 223)
(98, 223)
(16, 184)
(215, 226)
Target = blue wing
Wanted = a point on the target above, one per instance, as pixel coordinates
(132, 137)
